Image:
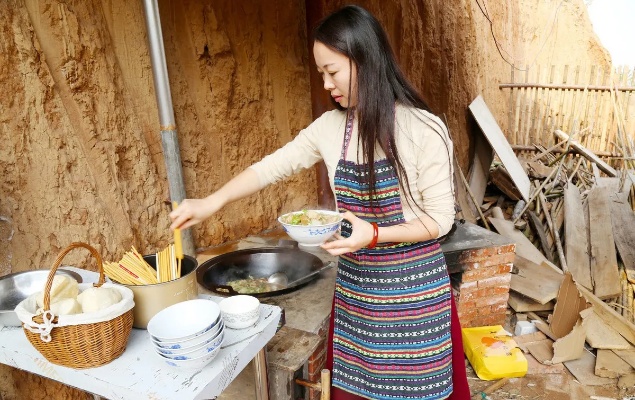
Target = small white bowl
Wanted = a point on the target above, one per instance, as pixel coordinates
(311, 235)
(184, 320)
(191, 363)
(206, 336)
(195, 352)
(240, 311)
(190, 344)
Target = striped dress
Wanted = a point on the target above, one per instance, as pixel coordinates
(391, 311)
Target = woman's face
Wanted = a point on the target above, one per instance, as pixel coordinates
(337, 75)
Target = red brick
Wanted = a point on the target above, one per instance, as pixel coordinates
(481, 254)
(485, 272)
(468, 314)
(498, 308)
(487, 320)
(463, 305)
(320, 349)
(488, 262)
(468, 285)
(496, 280)
(492, 300)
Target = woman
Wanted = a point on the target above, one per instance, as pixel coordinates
(390, 332)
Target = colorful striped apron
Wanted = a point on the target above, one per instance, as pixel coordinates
(391, 311)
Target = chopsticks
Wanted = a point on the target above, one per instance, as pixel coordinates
(178, 244)
(132, 269)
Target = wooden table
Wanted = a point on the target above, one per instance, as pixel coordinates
(139, 373)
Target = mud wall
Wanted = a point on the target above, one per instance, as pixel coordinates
(81, 155)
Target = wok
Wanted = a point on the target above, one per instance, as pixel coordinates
(299, 266)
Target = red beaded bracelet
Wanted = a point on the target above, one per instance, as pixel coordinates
(373, 242)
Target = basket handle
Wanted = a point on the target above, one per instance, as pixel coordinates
(58, 261)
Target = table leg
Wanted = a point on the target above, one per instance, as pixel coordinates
(260, 375)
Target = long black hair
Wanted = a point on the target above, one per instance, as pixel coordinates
(356, 33)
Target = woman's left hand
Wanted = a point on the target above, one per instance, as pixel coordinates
(361, 236)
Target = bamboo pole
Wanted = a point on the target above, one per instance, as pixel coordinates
(510, 112)
(472, 197)
(540, 116)
(599, 88)
(556, 235)
(535, 194)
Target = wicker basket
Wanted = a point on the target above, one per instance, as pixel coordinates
(85, 345)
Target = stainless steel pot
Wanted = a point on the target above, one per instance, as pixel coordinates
(18, 286)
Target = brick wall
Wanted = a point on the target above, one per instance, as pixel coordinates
(481, 287)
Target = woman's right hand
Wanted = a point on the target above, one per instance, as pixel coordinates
(192, 211)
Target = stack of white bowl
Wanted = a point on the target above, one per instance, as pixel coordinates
(188, 334)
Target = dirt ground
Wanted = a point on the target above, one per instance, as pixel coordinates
(545, 382)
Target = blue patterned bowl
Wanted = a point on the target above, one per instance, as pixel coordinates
(314, 234)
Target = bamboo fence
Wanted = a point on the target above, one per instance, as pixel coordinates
(596, 106)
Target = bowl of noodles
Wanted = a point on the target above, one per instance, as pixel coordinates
(311, 227)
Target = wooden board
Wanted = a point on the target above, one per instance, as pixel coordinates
(539, 229)
(463, 198)
(599, 335)
(604, 269)
(538, 282)
(536, 368)
(569, 304)
(501, 179)
(524, 247)
(479, 170)
(612, 185)
(499, 143)
(623, 223)
(576, 240)
(523, 340)
(609, 365)
(610, 316)
(627, 355)
(520, 303)
(587, 153)
(542, 350)
(584, 370)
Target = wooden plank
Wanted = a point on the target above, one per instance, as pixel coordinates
(612, 185)
(627, 355)
(599, 335)
(536, 368)
(576, 237)
(604, 270)
(463, 197)
(542, 350)
(588, 154)
(623, 223)
(610, 316)
(609, 365)
(568, 306)
(539, 229)
(524, 247)
(499, 143)
(520, 303)
(479, 170)
(584, 370)
(523, 340)
(538, 282)
(501, 179)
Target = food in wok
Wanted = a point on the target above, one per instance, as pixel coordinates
(310, 217)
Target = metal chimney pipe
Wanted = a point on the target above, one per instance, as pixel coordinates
(169, 138)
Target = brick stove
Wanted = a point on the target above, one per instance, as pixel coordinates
(480, 264)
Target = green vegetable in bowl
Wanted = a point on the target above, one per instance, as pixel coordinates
(310, 217)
